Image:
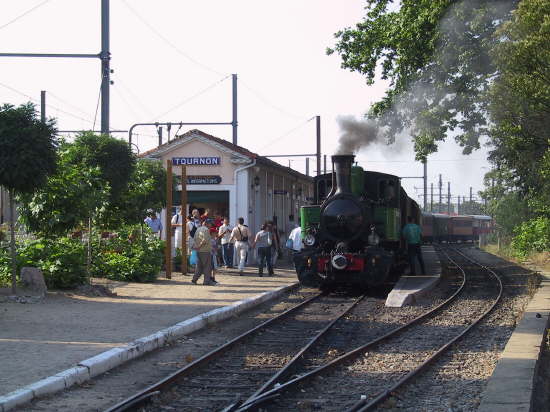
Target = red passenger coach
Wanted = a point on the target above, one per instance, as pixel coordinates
(482, 224)
(427, 227)
(462, 229)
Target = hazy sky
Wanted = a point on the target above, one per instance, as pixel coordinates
(165, 52)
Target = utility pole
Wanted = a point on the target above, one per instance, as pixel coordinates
(449, 198)
(325, 164)
(159, 131)
(470, 194)
(307, 166)
(105, 57)
(440, 194)
(43, 106)
(234, 123)
(318, 127)
(425, 183)
(431, 197)
(458, 206)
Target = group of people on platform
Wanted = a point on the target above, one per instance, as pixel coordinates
(216, 243)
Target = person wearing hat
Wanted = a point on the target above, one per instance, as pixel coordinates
(154, 222)
(203, 246)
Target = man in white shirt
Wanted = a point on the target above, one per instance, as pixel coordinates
(296, 237)
(241, 235)
(224, 233)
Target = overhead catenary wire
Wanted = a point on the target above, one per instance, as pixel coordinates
(65, 102)
(170, 43)
(188, 99)
(263, 99)
(24, 14)
(47, 104)
(126, 102)
(146, 109)
(97, 106)
(288, 132)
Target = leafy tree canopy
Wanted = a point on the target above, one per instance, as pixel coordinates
(113, 157)
(146, 190)
(519, 104)
(27, 148)
(436, 55)
(66, 200)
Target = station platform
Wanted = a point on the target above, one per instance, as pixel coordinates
(40, 339)
(408, 288)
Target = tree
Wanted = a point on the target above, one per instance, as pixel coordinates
(27, 157)
(519, 104)
(116, 163)
(64, 202)
(113, 157)
(436, 55)
(146, 190)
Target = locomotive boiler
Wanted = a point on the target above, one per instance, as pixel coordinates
(352, 234)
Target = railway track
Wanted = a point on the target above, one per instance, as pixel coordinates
(237, 368)
(269, 366)
(371, 379)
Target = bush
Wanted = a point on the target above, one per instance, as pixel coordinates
(532, 236)
(62, 260)
(129, 258)
(5, 273)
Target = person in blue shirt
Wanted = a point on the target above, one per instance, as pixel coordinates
(154, 222)
(413, 236)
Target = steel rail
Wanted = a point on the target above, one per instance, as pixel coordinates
(251, 404)
(142, 397)
(276, 377)
(362, 405)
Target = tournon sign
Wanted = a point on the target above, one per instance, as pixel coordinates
(196, 161)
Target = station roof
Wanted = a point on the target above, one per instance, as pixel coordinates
(186, 137)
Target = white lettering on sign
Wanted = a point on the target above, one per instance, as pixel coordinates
(196, 161)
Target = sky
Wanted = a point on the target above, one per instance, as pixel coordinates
(173, 60)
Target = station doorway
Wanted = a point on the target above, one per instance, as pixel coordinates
(216, 202)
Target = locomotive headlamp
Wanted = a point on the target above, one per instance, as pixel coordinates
(339, 262)
(309, 240)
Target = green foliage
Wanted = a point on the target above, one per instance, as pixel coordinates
(532, 236)
(520, 103)
(472, 208)
(113, 157)
(146, 190)
(5, 273)
(128, 258)
(67, 199)
(62, 261)
(27, 148)
(509, 211)
(436, 55)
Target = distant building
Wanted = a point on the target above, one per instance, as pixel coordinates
(230, 180)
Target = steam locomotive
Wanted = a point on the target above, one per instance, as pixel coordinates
(352, 234)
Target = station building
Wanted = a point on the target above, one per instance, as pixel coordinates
(230, 180)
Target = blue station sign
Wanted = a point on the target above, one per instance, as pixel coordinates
(196, 161)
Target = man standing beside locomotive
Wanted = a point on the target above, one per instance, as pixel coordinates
(240, 235)
(413, 236)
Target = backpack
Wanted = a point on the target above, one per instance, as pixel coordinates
(193, 231)
(243, 238)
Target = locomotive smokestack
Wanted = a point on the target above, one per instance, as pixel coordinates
(342, 167)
